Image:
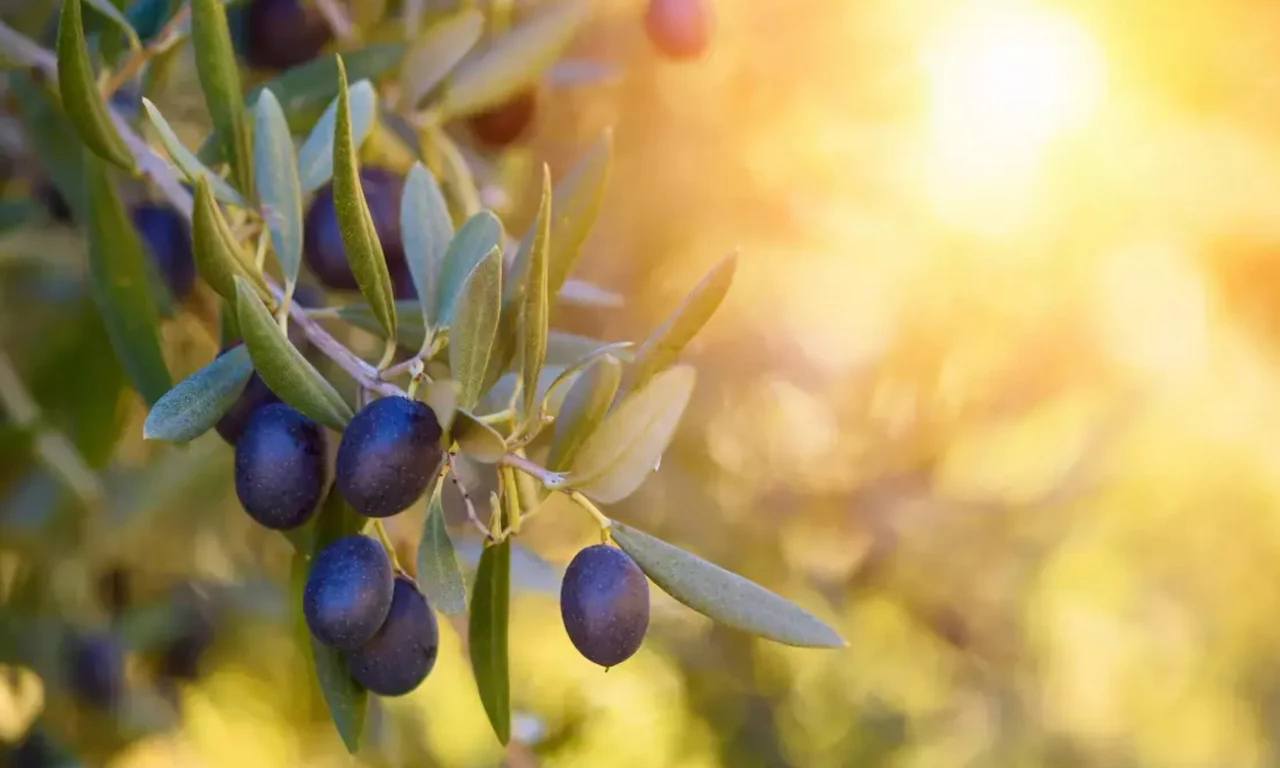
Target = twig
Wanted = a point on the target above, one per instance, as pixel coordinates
(466, 497)
(550, 480)
(144, 54)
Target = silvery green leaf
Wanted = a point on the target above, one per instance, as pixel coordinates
(722, 595)
(442, 398)
(473, 242)
(190, 166)
(440, 46)
(565, 349)
(218, 255)
(275, 168)
(197, 402)
(585, 405)
(426, 230)
(315, 158)
(535, 309)
(438, 572)
(108, 9)
(477, 439)
(623, 450)
(664, 344)
(409, 330)
(580, 293)
(219, 77)
(475, 323)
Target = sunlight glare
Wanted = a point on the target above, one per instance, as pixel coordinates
(1005, 80)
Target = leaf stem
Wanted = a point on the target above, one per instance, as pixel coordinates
(554, 481)
(604, 522)
(388, 354)
(142, 55)
(381, 530)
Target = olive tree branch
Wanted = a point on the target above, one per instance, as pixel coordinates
(141, 56)
(157, 170)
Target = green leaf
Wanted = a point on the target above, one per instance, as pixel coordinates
(535, 310)
(196, 403)
(487, 636)
(315, 159)
(191, 168)
(79, 89)
(617, 348)
(218, 255)
(220, 81)
(279, 192)
(575, 203)
(584, 407)
(439, 574)
(108, 9)
(475, 239)
(118, 279)
(306, 89)
(426, 230)
(721, 595)
(579, 293)
(409, 331)
(55, 142)
(436, 51)
(664, 344)
(514, 61)
(282, 367)
(565, 349)
(474, 326)
(454, 172)
(617, 457)
(442, 398)
(346, 700)
(477, 439)
(364, 251)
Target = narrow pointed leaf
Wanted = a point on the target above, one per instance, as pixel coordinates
(474, 326)
(477, 439)
(575, 203)
(579, 293)
(722, 595)
(118, 281)
(190, 166)
(664, 344)
(359, 238)
(442, 398)
(455, 173)
(346, 700)
(436, 51)
(315, 159)
(623, 450)
(306, 89)
(475, 239)
(566, 349)
(409, 330)
(79, 90)
(535, 310)
(220, 80)
(218, 255)
(584, 407)
(439, 574)
(487, 636)
(53, 140)
(117, 17)
(275, 167)
(568, 373)
(197, 402)
(490, 76)
(426, 229)
(282, 367)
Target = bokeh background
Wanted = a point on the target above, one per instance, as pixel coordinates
(994, 393)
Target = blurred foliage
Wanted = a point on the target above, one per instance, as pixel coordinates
(1010, 427)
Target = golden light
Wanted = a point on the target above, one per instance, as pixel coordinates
(1004, 81)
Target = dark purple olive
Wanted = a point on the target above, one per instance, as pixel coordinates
(164, 232)
(389, 453)
(399, 657)
(280, 34)
(505, 124)
(604, 601)
(280, 467)
(348, 592)
(323, 250)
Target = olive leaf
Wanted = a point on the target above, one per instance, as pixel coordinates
(315, 159)
(197, 402)
(220, 80)
(722, 595)
(118, 281)
(568, 373)
(454, 172)
(440, 46)
(438, 573)
(426, 231)
(275, 167)
(474, 326)
(346, 699)
(535, 310)
(442, 398)
(80, 98)
(55, 142)
(580, 293)
(191, 167)
(410, 332)
(218, 255)
(586, 403)
(306, 89)
(282, 367)
(575, 203)
(477, 439)
(487, 636)
(664, 344)
(621, 452)
(108, 9)
(565, 349)
(514, 61)
(473, 242)
(359, 238)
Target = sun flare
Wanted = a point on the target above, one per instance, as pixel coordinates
(1004, 81)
